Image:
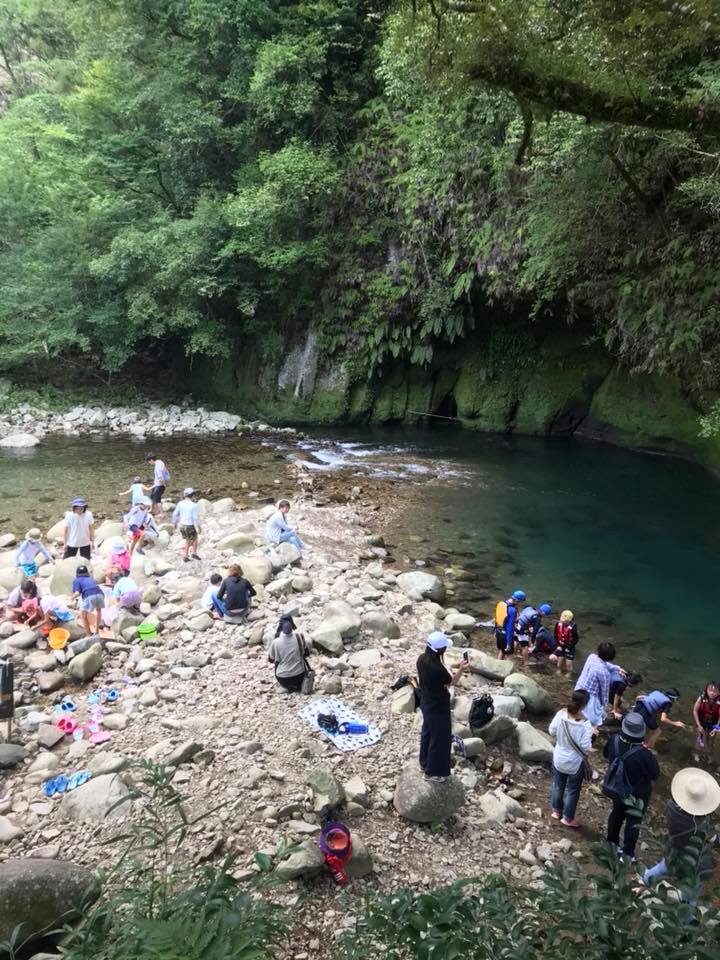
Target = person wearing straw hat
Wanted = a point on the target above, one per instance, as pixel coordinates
(695, 794)
(433, 682)
(28, 551)
(641, 770)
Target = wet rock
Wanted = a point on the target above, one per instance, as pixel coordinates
(86, 665)
(425, 801)
(41, 895)
(536, 699)
(103, 797)
(418, 586)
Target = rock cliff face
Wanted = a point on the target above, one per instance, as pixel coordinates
(515, 380)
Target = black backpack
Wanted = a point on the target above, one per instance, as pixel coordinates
(616, 785)
(482, 711)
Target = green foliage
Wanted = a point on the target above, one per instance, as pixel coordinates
(161, 908)
(569, 917)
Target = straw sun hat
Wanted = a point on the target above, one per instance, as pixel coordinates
(696, 791)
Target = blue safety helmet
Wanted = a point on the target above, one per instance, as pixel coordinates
(545, 608)
(518, 595)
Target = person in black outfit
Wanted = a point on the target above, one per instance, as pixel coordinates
(433, 681)
(641, 769)
(235, 591)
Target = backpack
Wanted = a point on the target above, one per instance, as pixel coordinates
(616, 785)
(482, 710)
(166, 475)
(501, 612)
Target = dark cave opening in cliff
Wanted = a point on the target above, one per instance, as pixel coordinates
(445, 413)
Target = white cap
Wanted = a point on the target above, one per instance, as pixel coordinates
(437, 641)
(188, 492)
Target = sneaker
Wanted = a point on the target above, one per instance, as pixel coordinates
(570, 823)
(556, 815)
(196, 557)
(436, 779)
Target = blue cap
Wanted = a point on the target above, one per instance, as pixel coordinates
(545, 608)
(437, 641)
(518, 595)
(78, 502)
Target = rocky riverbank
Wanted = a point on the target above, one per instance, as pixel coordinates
(201, 699)
(26, 424)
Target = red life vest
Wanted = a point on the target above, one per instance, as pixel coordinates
(564, 634)
(709, 711)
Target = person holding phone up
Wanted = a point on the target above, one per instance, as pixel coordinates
(433, 682)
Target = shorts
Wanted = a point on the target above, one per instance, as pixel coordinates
(617, 689)
(96, 601)
(500, 640)
(29, 569)
(74, 551)
(137, 532)
(650, 718)
(523, 639)
(565, 653)
(156, 494)
(188, 532)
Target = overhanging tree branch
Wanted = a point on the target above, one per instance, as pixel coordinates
(573, 96)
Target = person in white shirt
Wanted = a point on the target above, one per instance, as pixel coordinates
(209, 600)
(278, 530)
(79, 530)
(161, 476)
(573, 739)
(187, 516)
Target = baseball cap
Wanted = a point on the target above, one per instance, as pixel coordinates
(188, 492)
(437, 641)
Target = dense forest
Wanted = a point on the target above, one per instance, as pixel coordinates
(193, 171)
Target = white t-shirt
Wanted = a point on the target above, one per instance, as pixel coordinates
(158, 472)
(78, 528)
(206, 600)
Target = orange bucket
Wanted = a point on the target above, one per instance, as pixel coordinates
(58, 638)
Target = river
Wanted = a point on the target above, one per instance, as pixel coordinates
(628, 542)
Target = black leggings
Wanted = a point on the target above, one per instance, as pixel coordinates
(618, 814)
(292, 684)
(436, 740)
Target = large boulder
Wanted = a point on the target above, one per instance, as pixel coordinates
(63, 574)
(498, 806)
(481, 663)
(238, 540)
(284, 555)
(42, 895)
(225, 505)
(18, 440)
(328, 638)
(425, 801)
(126, 618)
(459, 621)
(104, 797)
(536, 698)
(10, 577)
(497, 730)
(23, 639)
(55, 533)
(86, 665)
(379, 624)
(533, 745)
(257, 568)
(342, 617)
(421, 586)
(107, 529)
(508, 706)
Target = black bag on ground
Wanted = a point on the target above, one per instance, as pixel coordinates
(482, 710)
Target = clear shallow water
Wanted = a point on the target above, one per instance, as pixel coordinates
(628, 542)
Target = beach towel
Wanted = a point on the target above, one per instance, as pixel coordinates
(347, 742)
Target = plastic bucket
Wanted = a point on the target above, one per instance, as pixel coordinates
(147, 630)
(58, 638)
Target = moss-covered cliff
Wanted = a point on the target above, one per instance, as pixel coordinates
(514, 381)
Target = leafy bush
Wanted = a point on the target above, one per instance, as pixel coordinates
(568, 917)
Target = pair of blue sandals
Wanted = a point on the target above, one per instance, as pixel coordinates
(63, 783)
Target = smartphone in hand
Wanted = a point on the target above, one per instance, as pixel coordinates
(466, 656)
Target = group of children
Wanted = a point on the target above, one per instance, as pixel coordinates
(523, 629)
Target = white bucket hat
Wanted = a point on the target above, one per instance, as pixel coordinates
(696, 791)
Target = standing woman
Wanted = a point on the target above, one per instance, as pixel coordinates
(573, 739)
(433, 681)
(79, 530)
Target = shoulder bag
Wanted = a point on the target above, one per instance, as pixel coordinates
(308, 682)
(587, 771)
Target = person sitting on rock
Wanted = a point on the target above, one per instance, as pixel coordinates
(29, 550)
(278, 530)
(235, 592)
(186, 514)
(126, 593)
(91, 599)
(288, 651)
(209, 600)
(17, 597)
(434, 680)
(118, 564)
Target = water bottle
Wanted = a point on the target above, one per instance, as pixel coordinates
(353, 728)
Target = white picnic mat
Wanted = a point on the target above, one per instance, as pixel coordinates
(347, 742)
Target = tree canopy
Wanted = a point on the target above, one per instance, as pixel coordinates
(204, 172)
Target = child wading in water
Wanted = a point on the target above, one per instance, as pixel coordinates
(706, 713)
